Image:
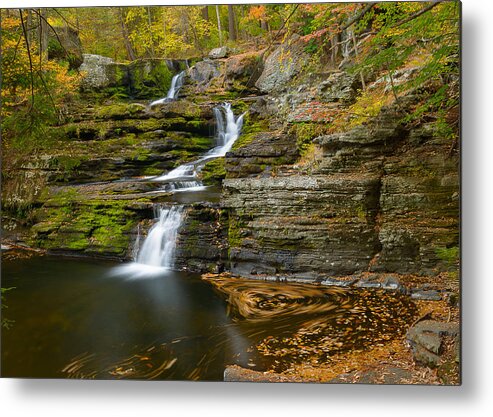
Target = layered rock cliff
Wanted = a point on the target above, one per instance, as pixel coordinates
(301, 196)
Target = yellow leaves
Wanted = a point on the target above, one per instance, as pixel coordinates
(9, 22)
(367, 105)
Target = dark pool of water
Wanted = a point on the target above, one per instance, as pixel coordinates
(78, 318)
(70, 311)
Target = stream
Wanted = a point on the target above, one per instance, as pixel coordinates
(86, 318)
(74, 318)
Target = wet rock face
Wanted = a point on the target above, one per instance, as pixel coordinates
(142, 79)
(308, 225)
(236, 74)
(74, 205)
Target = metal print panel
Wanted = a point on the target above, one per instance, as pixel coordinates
(257, 192)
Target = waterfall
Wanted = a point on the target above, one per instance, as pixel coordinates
(228, 129)
(176, 84)
(157, 252)
(174, 89)
(158, 248)
(136, 248)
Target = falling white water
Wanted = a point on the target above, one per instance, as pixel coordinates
(136, 248)
(156, 255)
(228, 129)
(158, 248)
(174, 89)
(183, 171)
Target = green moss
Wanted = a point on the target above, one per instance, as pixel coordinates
(239, 107)
(64, 198)
(197, 143)
(175, 123)
(119, 111)
(223, 96)
(140, 154)
(213, 172)
(129, 139)
(152, 171)
(449, 255)
(361, 212)
(234, 232)
(150, 84)
(95, 226)
(305, 133)
(249, 133)
(66, 165)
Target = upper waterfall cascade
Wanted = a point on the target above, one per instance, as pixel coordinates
(174, 89)
(228, 129)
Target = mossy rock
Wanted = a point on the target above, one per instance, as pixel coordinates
(120, 111)
(149, 79)
(249, 132)
(68, 222)
(213, 172)
(179, 108)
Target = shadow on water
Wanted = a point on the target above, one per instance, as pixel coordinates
(78, 319)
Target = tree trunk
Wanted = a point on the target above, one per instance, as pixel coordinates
(231, 23)
(29, 25)
(126, 40)
(205, 13)
(43, 35)
(219, 29)
(149, 24)
(164, 33)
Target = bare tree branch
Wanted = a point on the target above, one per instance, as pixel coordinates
(358, 17)
(417, 14)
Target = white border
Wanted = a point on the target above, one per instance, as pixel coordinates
(126, 398)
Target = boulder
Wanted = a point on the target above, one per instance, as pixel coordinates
(218, 53)
(282, 65)
(144, 79)
(242, 71)
(339, 86)
(427, 340)
(263, 107)
(97, 71)
(204, 71)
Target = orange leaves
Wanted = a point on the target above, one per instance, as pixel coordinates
(257, 13)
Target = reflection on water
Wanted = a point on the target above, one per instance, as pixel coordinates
(74, 320)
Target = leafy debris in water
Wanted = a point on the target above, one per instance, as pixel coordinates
(310, 323)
